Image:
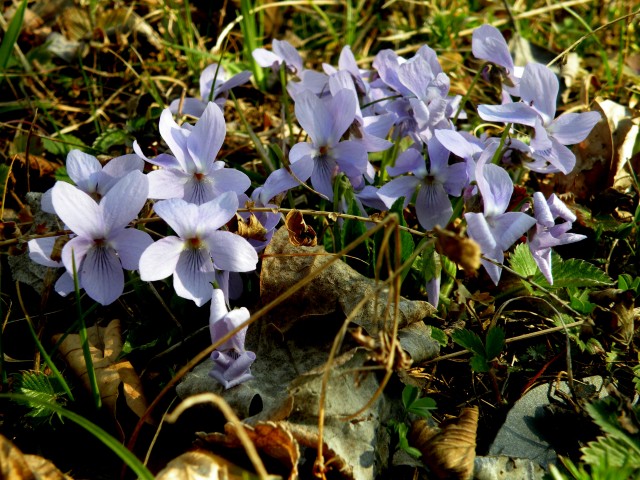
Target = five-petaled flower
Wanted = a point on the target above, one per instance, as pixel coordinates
(200, 250)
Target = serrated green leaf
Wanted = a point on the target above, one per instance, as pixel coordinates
(422, 407)
(494, 342)
(479, 364)
(522, 262)
(469, 340)
(63, 144)
(112, 138)
(439, 336)
(612, 452)
(43, 390)
(409, 395)
(574, 273)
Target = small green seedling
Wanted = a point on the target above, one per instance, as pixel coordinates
(412, 403)
(483, 353)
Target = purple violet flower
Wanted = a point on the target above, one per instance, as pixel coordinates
(434, 184)
(232, 363)
(103, 245)
(193, 174)
(538, 91)
(196, 106)
(495, 230)
(488, 44)
(199, 248)
(283, 53)
(548, 233)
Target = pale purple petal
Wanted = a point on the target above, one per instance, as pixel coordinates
(539, 89)
(314, 116)
(190, 106)
(40, 250)
(351, 157)
(174, 136)
(160, 259)
(398, 187)
(235, 81)
(324, 171)
(117, 168)
(101, 275)
(433, 206)
(75, 249)
(408, 161)
(130, 243)
(478, 230)
(229, 322)
(64, 286)
(124, 201)
(457, 179)
(216, 213)
(289, 54)
(517, 112)
(559, 209)
(84, 170)
(46, 204)
(166, 183)
(487, 43)
(342, 107)
(542, 211)
(456, 143)
(77, 210)
(207, 137)
(231, 371)
(181, 216)
(572, 128)
(416, 75)
(229, 180)
(231, 252)
(163, 160)
(562, 158)
(217, 310)
(509, 227)
(496, 188)
(193, 276)
(211, 73)
(266, 58)
(277, 182)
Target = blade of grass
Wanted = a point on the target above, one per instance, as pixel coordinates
(259, 148)
(84, 339)
(251, 37)
(11, 35)
(114, 445)
(43, 352)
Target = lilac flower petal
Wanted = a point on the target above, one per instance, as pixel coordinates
(379, 125)
(509, 227)
(217, 310)
(342, 107)
(214, 214)
(457, 179)
(539, 89)
(542, 211)
(166, 183)
(559, 209)
(193, 276)
(351, 157)
(509, 113)
(84, 170)
(265, 58)
(408, 161)
(487, 43)
(277, 182)
(75, 249)
(40, 251)
(563, 158)
(181, 216)
(118, 168)
(229, 180)
(231, 371)
(289, 54)
(430, 55)
(46, 204)
(238, 79)
(230, 322)
(543, 260)
(212, 73)
(175, 137)
(124, 201)
(314, 117)
(369, 197)
(77, 210)
(398, 187)
(415, 75)
(130, 243)
(207, 137)
(478, 230)
(159, 260)
(324, 170)
(456, 143)
(190, 106)
(315, 82)
(101, 275)
(496, 188)
(64, 285)
(232, 252)
(433, 290)
(433, 206)
(572, 128)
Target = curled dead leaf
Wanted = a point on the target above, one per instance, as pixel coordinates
(14, 465)
(202, 465)
(449, 453)
(250, 229)
(105, 345)
(300, 234)
(271, 438)
(461, 250)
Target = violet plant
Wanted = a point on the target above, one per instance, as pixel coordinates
(346, 114)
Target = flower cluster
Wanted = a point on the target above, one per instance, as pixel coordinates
(347, 113)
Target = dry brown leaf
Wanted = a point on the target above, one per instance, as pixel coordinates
(300, 234)
(105, 345)
(251, 229)
(14, 465)
(450, 452)
(271, 438)
(338, 287)
(202, 465)
(461, 250)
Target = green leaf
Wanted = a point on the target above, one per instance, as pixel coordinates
(574, 273)
(479, 364)
(495, 342)
(44, 390)
(469, 340)
(409, 395)
(11, 35)
(579, 300)
(423, 406)
(522, 262)
(63, 144)
(438, 335)
(114, 137)
(612, 452)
